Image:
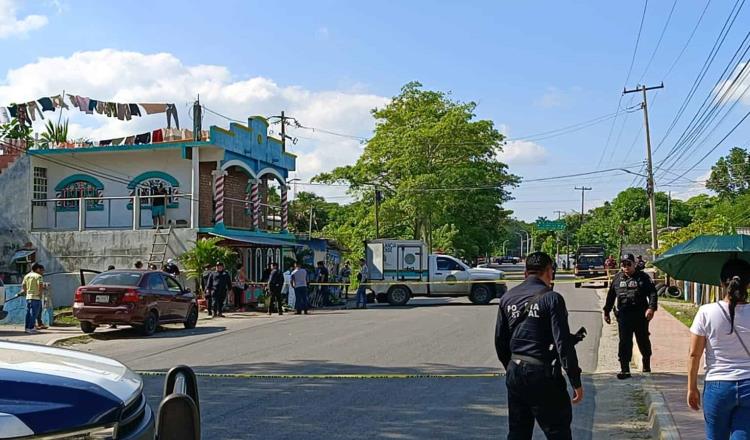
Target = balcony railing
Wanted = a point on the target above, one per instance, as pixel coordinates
(108, 212)
(238, 215)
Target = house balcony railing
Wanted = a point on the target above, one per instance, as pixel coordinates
(108, 212)
(238, 215)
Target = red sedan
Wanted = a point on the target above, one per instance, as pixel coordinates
(142, 299)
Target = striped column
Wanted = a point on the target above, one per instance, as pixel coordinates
(219, 197)
(284, 209)
(255, 196)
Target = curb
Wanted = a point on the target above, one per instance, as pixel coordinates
(660, 418)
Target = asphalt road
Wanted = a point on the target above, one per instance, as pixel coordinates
(433, 336)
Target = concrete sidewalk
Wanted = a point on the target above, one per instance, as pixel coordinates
(670, 340)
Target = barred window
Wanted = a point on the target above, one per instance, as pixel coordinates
(40, 185)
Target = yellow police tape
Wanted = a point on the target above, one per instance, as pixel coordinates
(335, 376)
(421, 283)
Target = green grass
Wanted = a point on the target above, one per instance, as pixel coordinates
(83, 339)
(64, 317)
(682, 310)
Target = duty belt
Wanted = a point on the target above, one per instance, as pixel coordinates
(528, 360)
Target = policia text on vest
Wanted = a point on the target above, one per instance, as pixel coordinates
(636, 298)
(534, 344)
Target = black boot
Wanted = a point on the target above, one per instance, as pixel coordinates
(624, 371)
(646, 364)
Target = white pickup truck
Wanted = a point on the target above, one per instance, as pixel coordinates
(401, 269)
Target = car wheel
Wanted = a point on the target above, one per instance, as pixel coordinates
(150, 324)
(480, 294)
(578, 285)
(192, 318)
(87, 327)
(398, 295)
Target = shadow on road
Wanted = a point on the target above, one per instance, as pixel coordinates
(162, 332)
(417, 408)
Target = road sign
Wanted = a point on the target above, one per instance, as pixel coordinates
(548, 225)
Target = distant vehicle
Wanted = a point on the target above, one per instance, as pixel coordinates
(399, 269)
(508, 259)
(142, 299)
(490, 266)
(53, 393)
(590, 263)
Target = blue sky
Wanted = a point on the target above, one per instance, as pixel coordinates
(531, 66)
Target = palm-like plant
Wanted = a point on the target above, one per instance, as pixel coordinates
(55, 134)
(205, 253)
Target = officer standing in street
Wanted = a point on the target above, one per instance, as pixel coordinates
(636, 303)
(533, 342)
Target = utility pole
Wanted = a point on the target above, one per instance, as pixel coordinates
(309, 231)
(649, 169)
(557, 237)
(583, 190)
(669, 207)
(283, 131)
(197, 119)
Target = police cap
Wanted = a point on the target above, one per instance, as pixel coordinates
(628, 257)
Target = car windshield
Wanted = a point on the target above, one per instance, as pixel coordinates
(591, 261)
(117, 279)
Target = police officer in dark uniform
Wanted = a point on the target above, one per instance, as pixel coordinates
(636, 303)
(533, 342)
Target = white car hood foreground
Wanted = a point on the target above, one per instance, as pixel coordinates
(106, 373)
(482, 273)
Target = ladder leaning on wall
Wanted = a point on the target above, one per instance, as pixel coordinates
(159, 247)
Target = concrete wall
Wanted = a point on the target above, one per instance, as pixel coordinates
(15, 189)
(68, 251)
(115, 170)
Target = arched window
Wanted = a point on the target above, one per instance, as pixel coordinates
(77, 186)
(149, 183)
(258, 264)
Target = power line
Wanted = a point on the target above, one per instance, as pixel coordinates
(687, 43)
(658, 43)
(627, 79)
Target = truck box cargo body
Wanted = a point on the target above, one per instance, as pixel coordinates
(400, 269)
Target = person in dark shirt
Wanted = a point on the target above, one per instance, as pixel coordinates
(321, 276)
(171, 268)
(534, 344)
(636, 303)
(275, 284)
(218, 285)
(159, 206)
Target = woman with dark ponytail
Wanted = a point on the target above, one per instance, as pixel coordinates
(722, 330)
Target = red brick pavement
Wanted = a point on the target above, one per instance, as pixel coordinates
(670, 340)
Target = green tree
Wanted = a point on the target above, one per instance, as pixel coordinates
(730, 176)
(15, 130)
(205, 253)
(426, 148)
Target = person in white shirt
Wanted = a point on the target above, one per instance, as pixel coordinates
(287, 290)
(722, 330)
(299, 283)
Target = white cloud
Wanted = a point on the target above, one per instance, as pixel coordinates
(522, 153)
(552, 98)
(11, 25)
(739, 90)
(161, 77)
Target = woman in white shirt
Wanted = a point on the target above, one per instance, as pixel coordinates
(722, 329)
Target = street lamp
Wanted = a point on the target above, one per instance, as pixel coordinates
(504, 254)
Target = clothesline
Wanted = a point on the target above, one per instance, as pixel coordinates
(28, 112)
(149, 137)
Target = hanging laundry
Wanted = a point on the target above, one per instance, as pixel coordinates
(23, 115)
(172, 112)
(58, 102)
(4, 116)
(46, 104)
(111, 110)
(130, 140)
(93, 103)
(32, 109)
(100, 107)
(83, 104)
(73, 101)
(123, 112)
(157, 136)
(154, 108)
(105, 143)
(143, 138)
(134, 110)
(118, 141)
(13, 110)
